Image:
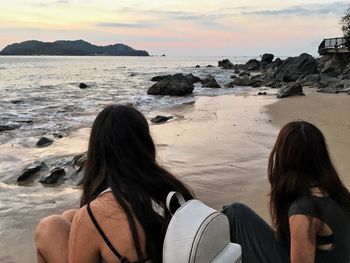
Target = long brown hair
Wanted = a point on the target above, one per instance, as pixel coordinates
(122, 156)
(298, 161)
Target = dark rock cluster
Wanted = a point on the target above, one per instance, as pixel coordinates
(51, 174)
(329, 74)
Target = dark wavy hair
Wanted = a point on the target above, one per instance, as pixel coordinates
(122, 156)
(298, 161)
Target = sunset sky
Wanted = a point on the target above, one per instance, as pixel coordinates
(187, 27)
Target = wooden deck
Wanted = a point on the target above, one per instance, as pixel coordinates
(334, 45)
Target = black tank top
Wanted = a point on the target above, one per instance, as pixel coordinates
(331, 213)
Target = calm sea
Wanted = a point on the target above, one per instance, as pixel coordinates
(41, 95)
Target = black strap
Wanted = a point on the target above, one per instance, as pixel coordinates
(121, 258)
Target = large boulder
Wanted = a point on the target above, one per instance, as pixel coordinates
(333, 65)
(267, 58)
(210, 82)
(252, 65)
(290, 89)
(225, 64)
(295, 67)
(176, 85)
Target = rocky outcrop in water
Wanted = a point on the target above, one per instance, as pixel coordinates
(225, 64)
(294, 68)
(329, 74)
(83, 86)
(176, 85)
(210, 82)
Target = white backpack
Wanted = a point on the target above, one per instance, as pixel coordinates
(198, 234)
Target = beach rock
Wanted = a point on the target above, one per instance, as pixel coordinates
(197, 66)
(245, 81)
(8, 127)
(83, 86)
(348, 92)
(161, 119)
(262, 93)
(290, 89)
(333, 65)
(176, 85)
(79, 160)
(210, 66)
(225, 64)
(158, 78)
(295, 67)
(31, 170)
(252, 65)
(210, 82)
(309, 80)
(54, 176)
(329, 90)
(76, 178)
(236, 71)
(192, 78)
(267, 58)
(244, 73)
(346, 72)
(44, 142)
(17, 101)
(333, 88)
(234, 77)
(274, 65)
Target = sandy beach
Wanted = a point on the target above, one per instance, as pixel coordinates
(218, 145)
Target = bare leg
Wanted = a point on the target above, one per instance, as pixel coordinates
(51, 238)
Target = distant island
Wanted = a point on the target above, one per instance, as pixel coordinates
(69, 48)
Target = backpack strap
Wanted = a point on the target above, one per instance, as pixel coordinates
(171, 196)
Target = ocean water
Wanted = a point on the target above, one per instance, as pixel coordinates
(41, 95)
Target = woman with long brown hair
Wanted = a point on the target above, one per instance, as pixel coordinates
(122, 216)
(309, 205)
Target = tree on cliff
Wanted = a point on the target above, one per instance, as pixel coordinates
(345, 23)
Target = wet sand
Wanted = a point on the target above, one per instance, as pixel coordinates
(218, 145)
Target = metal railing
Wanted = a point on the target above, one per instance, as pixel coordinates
(334, 44)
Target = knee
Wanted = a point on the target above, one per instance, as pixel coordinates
(51, 226)
(237, 211)
(69, 214)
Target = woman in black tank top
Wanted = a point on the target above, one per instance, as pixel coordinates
(309, 205)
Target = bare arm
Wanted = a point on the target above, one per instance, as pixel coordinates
(303, 246)
(83, 245)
